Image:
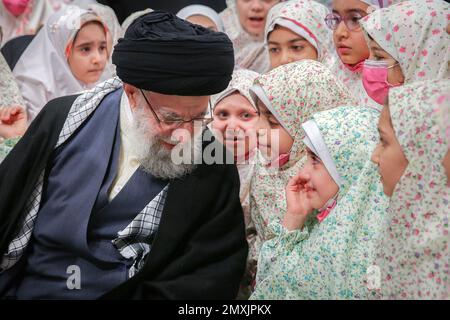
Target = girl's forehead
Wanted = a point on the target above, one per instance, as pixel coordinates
(234, 101)
(348, 6)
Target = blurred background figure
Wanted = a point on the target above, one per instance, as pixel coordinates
(202, 15)
(244, 22)
(24, 17)
(125, 8)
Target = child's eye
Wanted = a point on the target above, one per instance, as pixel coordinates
(297, 48)
(273, 50)
(221, 114)
(316, 160)
(246, 116)
(355, 18)
(85, 49)
(382, 142)
(378, 58)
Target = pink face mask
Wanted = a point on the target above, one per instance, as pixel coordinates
(15, 7)
(374, 78)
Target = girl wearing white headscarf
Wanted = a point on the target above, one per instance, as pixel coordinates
(43, 71)
(21, 17)
(408, 43)
(249, 48)
(323, 246)
(302, 20)
(350, 43)
(114, 31)
(285, 104)
(414, 250)
(192, 12)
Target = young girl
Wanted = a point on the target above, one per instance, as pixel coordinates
(413, 255)
(67, 56)
(202, 15)
(296, 30)
(113, 33)
(286, 96)
(350, 44)
(335, 205)
(407, 43)
(244, 22)
(235, 116)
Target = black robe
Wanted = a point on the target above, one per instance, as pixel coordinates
(200, 249)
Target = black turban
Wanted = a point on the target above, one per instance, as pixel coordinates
(163, 53)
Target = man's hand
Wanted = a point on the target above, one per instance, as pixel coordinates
(13, 122)
(298, 203)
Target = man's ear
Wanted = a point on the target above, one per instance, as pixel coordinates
(132, 93)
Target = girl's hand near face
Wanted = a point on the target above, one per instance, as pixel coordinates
(298, 204)
(13, 122)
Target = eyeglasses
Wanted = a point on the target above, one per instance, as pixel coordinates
(351, 21)
(172, 122)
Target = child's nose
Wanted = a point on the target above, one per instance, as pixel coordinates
(96, 57)
(375, 155)
(233, 124)
(285, 57)
(341, 30)
(256, 5)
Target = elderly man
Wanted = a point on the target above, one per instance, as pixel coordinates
(92, 204)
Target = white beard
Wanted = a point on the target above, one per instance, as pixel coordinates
(154, 158)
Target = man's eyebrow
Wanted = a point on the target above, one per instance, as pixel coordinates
(166, 112)
(172, 114)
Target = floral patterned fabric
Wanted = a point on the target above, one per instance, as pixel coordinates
(414, 253)
(330, 259)
(241, 81)
(296, 91)
(249, 51)
(6, 146)
(9, 90)
(445, 116)
(413, 33)
(309, 16)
